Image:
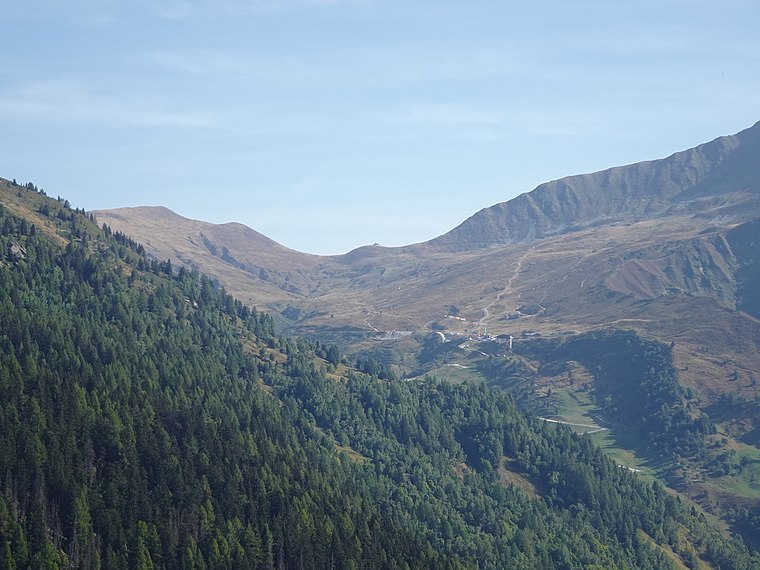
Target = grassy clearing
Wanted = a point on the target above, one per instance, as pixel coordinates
(677, 561)
(352, 454)
(606, 440)
(510, 476)
(744, 480)
(457, 373)
(575, 407)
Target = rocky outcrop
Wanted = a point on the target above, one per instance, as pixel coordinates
(16, 252)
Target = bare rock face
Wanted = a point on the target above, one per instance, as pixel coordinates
(16, 252)
(719, 179)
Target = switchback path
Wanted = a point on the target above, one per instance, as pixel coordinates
(507, 289)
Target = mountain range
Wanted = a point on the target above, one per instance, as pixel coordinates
(151, 420)
(639, 245)
(666, 250)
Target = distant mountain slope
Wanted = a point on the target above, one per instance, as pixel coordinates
(719, 179)
(613, 224)
(221, 251)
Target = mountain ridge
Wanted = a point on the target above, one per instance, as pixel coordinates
(213, 249)
(691, 182)
(386, 284)
(615, 195)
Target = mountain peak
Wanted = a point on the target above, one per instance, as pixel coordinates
(161, 219)
(721, 177)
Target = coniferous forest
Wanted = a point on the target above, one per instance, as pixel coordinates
(150, 420)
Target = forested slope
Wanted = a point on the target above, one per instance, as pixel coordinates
(149, 420)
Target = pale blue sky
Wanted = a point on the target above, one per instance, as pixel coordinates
(327, 125)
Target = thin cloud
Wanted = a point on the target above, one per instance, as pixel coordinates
(216, 8)
(279, 69)
(380, 66)
(80, 13)
(69, 101)
(199, 63)
(538, 119)
(443, 114)
(407, 65)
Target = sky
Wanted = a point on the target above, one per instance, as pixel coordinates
(331, 124)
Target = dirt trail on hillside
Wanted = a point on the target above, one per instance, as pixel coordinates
(507, 289)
